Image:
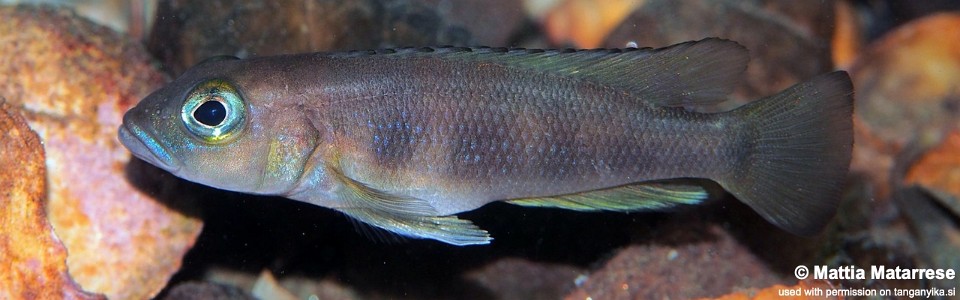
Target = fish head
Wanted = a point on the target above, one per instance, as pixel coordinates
(219, 125)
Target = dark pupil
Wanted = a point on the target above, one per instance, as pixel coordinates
(210, 113)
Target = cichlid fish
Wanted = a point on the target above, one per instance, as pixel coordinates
(404, 139)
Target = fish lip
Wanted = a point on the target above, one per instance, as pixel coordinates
(145, 147)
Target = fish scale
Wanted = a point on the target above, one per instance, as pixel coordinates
(590, 142)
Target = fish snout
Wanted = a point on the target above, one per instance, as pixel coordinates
(145, 147)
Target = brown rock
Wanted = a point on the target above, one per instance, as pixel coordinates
(514, 278)
(73, 81)
(186, 32)
(935, 231)
(708, 267)
(33, 260)
(789, 41)
(490, 22)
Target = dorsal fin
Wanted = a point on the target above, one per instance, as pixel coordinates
(695, 73)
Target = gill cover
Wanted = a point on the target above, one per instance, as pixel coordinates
(213, 111)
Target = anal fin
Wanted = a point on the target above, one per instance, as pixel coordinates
(633, 197)
(447, 229)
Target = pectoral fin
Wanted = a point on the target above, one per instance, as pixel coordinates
(404, 215)
(635, 197)
(447, 229)
(359, 194)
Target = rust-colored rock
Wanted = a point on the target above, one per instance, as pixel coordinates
(776, 291)
(32, 260)
(848, 37)
(910, 78)
(73, 81)
(908, 86)
(586, 23)
(939, 168)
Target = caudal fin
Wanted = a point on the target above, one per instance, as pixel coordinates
(794, 170)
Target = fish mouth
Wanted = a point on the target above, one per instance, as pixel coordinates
(145, 147)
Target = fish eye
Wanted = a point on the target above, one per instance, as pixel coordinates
(213, 111)
(210, 113)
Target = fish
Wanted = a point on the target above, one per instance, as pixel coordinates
(405, 139)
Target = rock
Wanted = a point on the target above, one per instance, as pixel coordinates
(585, 23)
(789, 41)
(497, 25)
(73, 81)
(713, 263)
(186, 32)
(206, 291)
(778, 291)
(937, 234)
(514, 278)
(907, 87)
(939, 168)
(34, 261)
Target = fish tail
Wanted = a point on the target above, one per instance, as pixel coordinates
(798, 154)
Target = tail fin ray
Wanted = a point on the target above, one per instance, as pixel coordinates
(801, 143)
